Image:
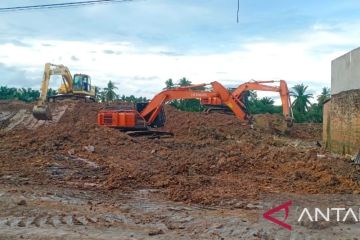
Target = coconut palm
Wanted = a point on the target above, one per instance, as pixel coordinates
(302, 98)
(110, 94)
(169, 84)
(325, 95)
(184, 82)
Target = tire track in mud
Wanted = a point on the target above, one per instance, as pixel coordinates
(55, 220)
(24, 118)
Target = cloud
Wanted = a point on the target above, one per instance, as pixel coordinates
(107, 51)
(74, 58)
(142, 68)
(20, 43)
(46, 45)
(16, 77)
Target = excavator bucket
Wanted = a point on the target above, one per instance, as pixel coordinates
(42, 112)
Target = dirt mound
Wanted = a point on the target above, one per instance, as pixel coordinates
(213, 159)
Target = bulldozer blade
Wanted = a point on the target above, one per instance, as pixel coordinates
(42, 113)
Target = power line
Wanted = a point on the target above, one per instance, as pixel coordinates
(237, 13)
(59, 5)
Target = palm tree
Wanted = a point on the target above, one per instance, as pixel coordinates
(302, 102)
(325, 95)
(169, 84)
(110, 94)
(184, 82)
(267, 101)
(51, 92)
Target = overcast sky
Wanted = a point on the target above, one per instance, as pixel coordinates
(140, 44)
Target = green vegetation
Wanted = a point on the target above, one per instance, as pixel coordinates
(189, 105)
(109, 92)
(22, 94)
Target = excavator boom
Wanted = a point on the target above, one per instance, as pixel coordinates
(41, 110)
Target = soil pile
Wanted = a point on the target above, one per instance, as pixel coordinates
(212, 159)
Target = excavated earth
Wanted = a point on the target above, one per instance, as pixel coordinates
(212, 162)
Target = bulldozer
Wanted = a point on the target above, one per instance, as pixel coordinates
(77, 87)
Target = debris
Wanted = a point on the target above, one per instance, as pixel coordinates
(211, 160)
(357, 158)
(156, 232)
(89, 148)
(22, 203)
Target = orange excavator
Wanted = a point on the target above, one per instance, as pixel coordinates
(151, 115)
(240, 93)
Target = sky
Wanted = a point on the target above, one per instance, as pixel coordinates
(142, 43)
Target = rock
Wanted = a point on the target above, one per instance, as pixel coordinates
(71, 151)
(153, 151)
(156, 232)
(22, 203)
(90, 148)
(253, 206)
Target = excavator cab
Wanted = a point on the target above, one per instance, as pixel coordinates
(81, 84)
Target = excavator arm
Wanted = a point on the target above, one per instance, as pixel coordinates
(282, 89)
(41, 110)
(154, 107)
(239, 92)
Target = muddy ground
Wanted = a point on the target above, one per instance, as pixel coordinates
(70, 178)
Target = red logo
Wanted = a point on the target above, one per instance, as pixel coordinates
(284, 206)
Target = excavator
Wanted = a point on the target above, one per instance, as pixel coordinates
(151, 115)
(240, 94)
(77, 87)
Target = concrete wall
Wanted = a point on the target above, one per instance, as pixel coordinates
(341, 125)
(345, 72)
(341, 119)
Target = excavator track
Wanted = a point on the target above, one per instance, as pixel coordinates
(61, 97)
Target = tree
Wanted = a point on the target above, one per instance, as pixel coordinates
(267, 101)
(109, 91)
(99, 95)
(184, 82)
(169, 84)
(315, 113)
(325, 95)
(262, 105)
(8, 93)
(51, 92)
(302, 99)
(191, 105)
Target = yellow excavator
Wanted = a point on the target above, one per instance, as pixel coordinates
(77, 87)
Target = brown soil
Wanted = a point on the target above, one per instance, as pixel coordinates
(212, 159)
